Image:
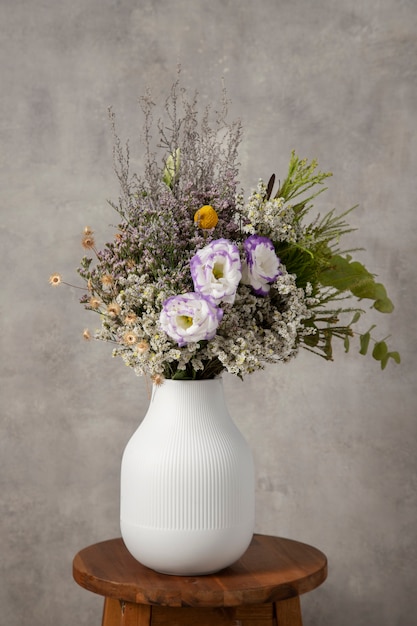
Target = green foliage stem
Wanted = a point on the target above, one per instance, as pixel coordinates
(316, 260)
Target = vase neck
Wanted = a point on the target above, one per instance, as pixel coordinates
(188, 400)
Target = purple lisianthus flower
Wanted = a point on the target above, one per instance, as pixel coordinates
(190, 317)
(216, 270)
(262, 264)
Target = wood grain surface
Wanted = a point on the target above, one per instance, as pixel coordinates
(272, 569)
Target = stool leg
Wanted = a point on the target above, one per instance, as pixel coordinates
(135, 614)
(288, 612)
(112, 612)
(120, 613)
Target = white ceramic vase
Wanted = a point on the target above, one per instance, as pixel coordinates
(187, 482)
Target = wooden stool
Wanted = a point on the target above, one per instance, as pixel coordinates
(260, 589)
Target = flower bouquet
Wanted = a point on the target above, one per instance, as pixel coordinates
(199, 280)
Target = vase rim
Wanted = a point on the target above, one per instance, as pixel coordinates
(201, 380)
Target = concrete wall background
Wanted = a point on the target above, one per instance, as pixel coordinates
(335, 443)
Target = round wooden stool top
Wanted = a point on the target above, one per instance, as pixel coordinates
(271, 570)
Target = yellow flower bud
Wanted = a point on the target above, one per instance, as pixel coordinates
(206, 217)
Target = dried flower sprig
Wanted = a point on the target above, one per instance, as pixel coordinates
(56, 279)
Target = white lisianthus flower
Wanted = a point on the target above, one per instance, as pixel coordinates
(190, 317)
(261, 266)
(216, 270)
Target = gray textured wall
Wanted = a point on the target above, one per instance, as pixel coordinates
(335, 444)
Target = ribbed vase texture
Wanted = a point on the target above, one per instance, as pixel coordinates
(187, 482)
